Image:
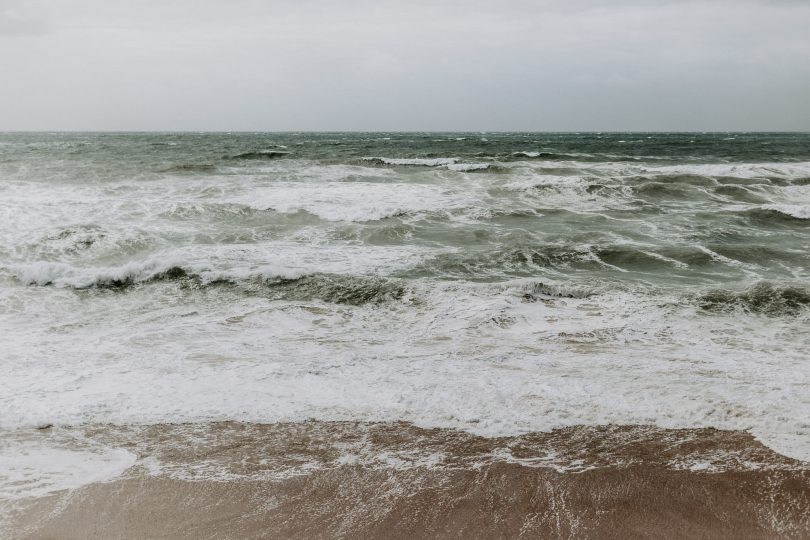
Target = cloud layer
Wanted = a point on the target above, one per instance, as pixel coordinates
(419, 65)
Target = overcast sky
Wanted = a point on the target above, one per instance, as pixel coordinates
(404, 65)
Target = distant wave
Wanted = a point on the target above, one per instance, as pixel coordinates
(685, 179)
(550, 156)
(358, 201)
(468, 167)
(752, 171)
(453, 164)
(190, 168)
(413, 162)
(259, 154)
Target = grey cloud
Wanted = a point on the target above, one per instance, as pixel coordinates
(392, 65)
(18, 18)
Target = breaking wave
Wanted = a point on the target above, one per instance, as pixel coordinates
(763, 298)
(468, 167)
(332, 288)
(413, 162)
(449, 163)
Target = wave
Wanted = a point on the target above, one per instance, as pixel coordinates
(280, 285)
(259, 154)
(517, 261)
(664, 262)
(334, 288)
(665, 190)
(72, 239)
(237, 211)
(743, 171)
(675, 179)
(763, 298)
(756, 253)
(450, 163)
(414, 162)
(530, 292)
(796, 211)
(190, 168)
(739, 193)
(357, 201)
(778, 214)
(549, 156)
(64, 275)
(468, 167)
(83, 240)
(772, 174)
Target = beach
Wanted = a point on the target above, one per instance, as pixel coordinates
(350, 480)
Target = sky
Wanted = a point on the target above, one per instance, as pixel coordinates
(416, 65)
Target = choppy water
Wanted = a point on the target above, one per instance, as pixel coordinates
(498, 283)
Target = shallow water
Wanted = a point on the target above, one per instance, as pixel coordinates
(393, 480)
(495, 283)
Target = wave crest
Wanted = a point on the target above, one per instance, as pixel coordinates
(332, 288)
(764, 298)
(413, 162)
(259, 154)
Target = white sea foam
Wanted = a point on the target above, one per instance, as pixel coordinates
(619, 170)
(33, 468)
(466, 167)
(738, 170)
(358, 201)
(452, 164)
(475, 357)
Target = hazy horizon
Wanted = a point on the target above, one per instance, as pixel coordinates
(451, 66)
(403, 132)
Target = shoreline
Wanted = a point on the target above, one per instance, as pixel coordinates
(394, 480)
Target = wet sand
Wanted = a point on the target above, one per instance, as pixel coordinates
(395, 480)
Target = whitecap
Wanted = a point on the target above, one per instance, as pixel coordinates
(467, 167)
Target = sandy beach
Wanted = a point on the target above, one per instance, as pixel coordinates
(395, 480)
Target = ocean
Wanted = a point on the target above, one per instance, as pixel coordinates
(490, 286)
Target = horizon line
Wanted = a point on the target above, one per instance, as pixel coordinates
(476, 132)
